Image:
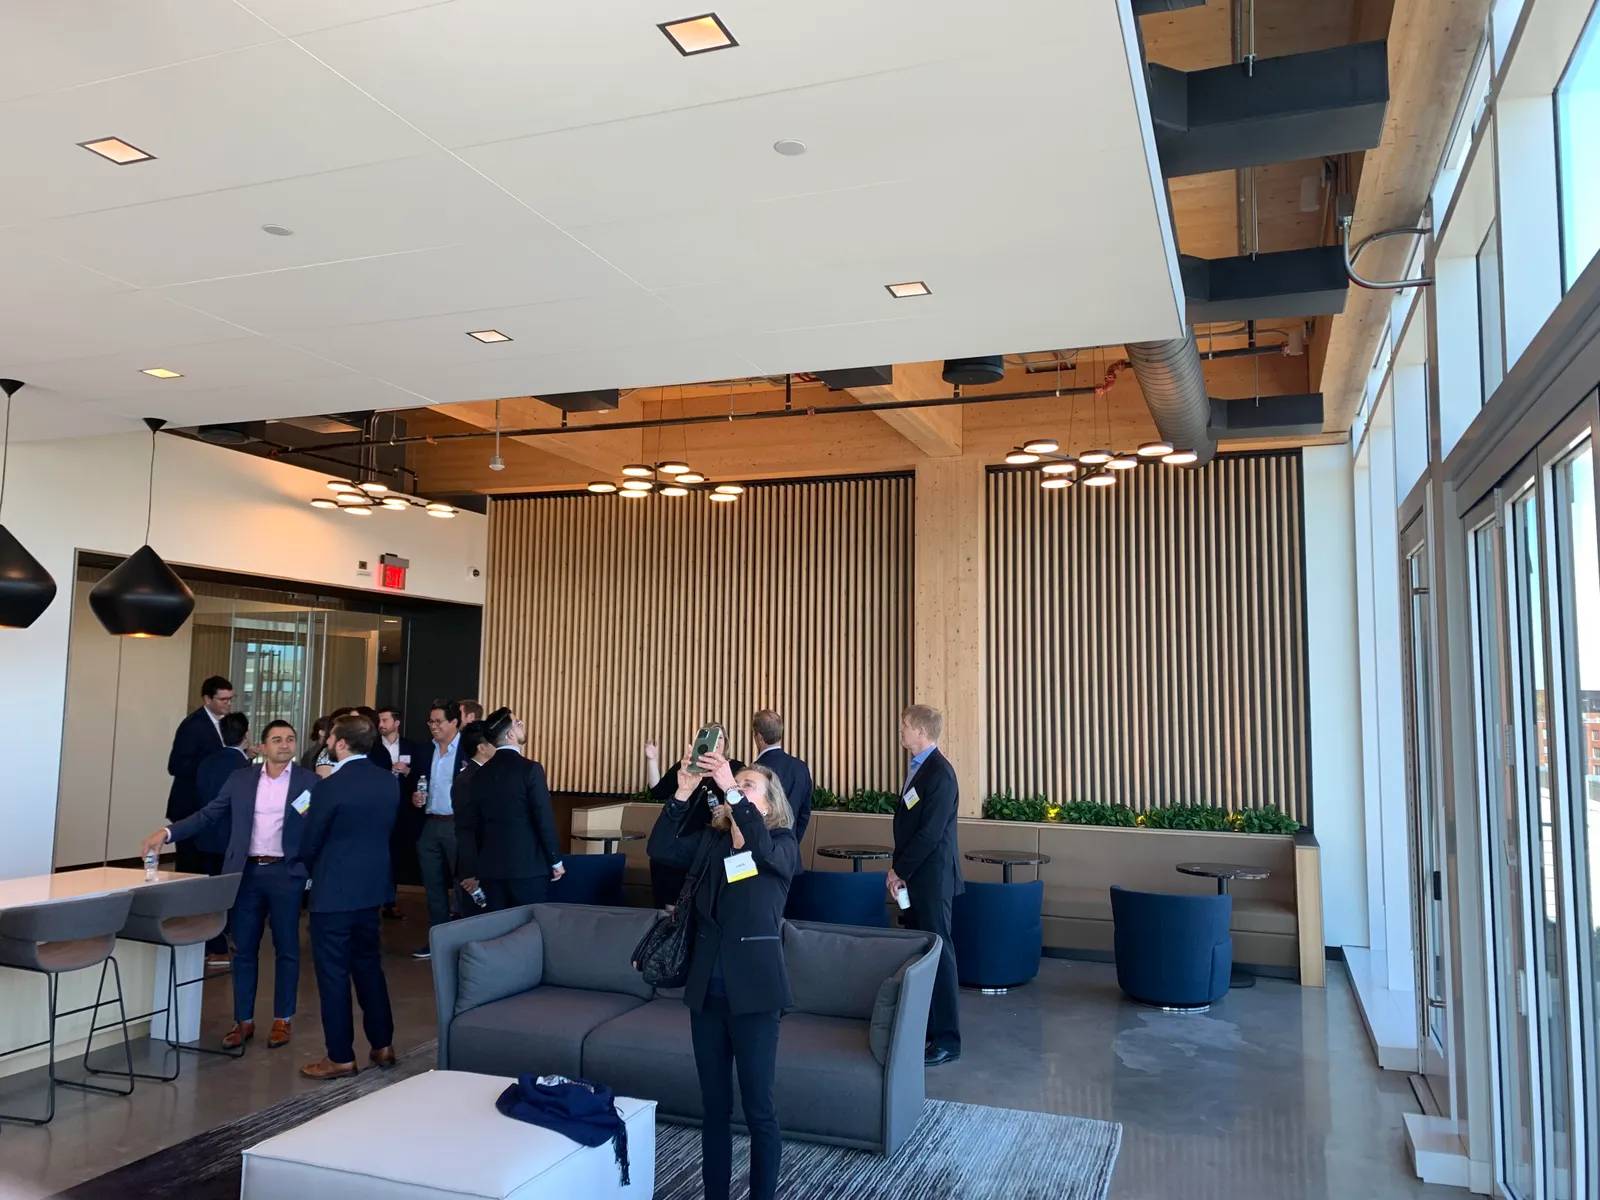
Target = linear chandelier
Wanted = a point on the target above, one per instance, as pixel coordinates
(363, 498)
(673, 477)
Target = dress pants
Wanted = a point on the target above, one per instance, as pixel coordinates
(513, 893)
(345, 950)
(748, 1042)
(944, 1012)
(436, 852)
(268, 895)
(211, 864)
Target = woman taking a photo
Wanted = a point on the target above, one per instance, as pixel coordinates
(743, 853)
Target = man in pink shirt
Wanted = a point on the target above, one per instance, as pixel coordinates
(266, 807)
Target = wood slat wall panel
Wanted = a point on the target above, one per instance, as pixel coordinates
(1147, 641)
(801, 602)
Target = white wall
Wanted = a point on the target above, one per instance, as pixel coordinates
(213, 508)
(1334, 687)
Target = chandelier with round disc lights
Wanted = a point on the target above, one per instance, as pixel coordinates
(365, 497)
(1095, 467)
(672, 477)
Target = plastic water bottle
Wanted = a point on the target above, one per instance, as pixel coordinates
(903, 898)
(422, 791)
(152, 862)
(478, 897)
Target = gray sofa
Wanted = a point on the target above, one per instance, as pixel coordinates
(549, 988)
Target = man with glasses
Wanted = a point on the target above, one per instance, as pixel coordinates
(436, 844)
(198, 737)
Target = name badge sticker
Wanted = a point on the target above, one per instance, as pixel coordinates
(739, 866)
(911, 797)
(302, 802)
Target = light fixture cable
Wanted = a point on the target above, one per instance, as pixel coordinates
(11, 387)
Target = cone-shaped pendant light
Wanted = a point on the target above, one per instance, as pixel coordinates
(143, 597)
(26, 588)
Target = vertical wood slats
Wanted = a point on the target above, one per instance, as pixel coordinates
(609, 622)
(1147, 641)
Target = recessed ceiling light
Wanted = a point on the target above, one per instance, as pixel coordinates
(1054, 482)
(637, 485)
(489, 335)
(118, 151)
(902, 291)
(1155, 449)
(674, 491)
(161, 373)
(1041, 445)
(277, 230)
(1021, 458)
(601, 486)
(674, 468)
(1180, 458)
(698, 35)
(789, 147)
(323, 502)
(723, 497)
(1059, 468)
(638, 471)
(1095, 457)
(691, 477)
(729, 489)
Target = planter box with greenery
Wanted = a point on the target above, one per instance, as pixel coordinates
(1003, 806)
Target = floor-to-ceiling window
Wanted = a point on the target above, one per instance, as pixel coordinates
(1577, 100)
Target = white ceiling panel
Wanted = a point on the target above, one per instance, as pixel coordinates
(345, 392)
(42, 328)
(293, 17)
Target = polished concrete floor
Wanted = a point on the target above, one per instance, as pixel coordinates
(1272, 1095)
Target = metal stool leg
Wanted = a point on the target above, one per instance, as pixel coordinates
(172, 1043)
(50, 1103)
(94, 1023)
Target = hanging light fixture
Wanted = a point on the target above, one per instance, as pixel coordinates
(1181, 458)
(1155, 449)
(723, 497)
(497, 463)
(1096, 458)
(602, 486)
(674, 490)
(1055, 482)
(1041, 445)
(26, 588)
(1064, 467)
(642, 486)
(1021, 458)
(1101, 480)
(143, 597)
(674, 467)
(1122, 462)
(638, 471)
(323, 502)
(691, 477)
(437, 509)
(728, 489)
(342, 486)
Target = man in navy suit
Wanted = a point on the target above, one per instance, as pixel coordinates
(266, 806)
(212, 841)
(346, 850)
(197, 738)
(766, 728)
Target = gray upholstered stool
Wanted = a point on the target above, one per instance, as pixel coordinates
(59, 936)
(185, 912)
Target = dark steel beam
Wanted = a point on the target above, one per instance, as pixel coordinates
(1267, 416)
(1289, 283)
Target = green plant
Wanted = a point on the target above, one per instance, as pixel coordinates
(823, 798)
(1003, 806)
(865, 800)
(643, 796)
(1189, 816)
(1266, 820)
(1094, 812)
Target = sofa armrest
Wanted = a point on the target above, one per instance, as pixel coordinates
(904, 1072)
(1308, 909)
(445, 943)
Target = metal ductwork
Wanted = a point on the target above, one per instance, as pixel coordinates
(1174, 387)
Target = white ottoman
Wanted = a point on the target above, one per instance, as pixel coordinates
(440, 1134)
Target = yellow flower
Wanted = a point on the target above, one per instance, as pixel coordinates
(1051, 813)
(1139, 820)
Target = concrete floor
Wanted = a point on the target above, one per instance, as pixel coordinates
(1274, 1093)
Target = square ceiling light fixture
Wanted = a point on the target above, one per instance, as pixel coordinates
(118, 151)
(698, 35)
(903, 291)
(161, 373)
(489, 335)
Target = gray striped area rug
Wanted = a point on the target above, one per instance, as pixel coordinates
(959, 1152)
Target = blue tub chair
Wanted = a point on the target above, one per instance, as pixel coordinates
(839, 898)
(1172, 951)
(590, 879)
(997, 934)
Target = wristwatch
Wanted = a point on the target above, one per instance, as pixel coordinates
(733, 796)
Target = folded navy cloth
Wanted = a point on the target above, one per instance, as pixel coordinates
(585, 1112)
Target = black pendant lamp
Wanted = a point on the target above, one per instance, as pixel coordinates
(26, 588)
(143, 597)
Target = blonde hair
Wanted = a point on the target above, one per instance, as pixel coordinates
(779, 814)
(925, 718)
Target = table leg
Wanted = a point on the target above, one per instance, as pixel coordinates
(611, 845)
(855, 865)
(1237, 978)
(1222, 885)
(1005, 872)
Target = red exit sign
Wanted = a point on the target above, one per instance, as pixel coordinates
(392, 572)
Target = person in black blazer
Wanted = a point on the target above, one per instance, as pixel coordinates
(197, 738)
(766, 729)
(927, 863)
(402, 753)
(506, 839)
(476, 749)
(345, 850)
(745, 853)
(264, 806)
(666, 880)
(212, 841)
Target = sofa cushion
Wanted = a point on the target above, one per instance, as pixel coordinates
(592, 948)
(499, 967)
(828, 1081)
(1265, 916)
(834, 973)
(1081, 903)
(647, 1052)
(535, 1033)
(881, 1030)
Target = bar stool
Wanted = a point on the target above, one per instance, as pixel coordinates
(185, 912)
(67, 935)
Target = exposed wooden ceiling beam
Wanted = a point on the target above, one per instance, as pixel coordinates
(603, 453)
(934, 431)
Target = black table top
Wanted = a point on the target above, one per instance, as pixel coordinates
(1015, 858)
(1217, 870)
(608, 835)
(855, 852)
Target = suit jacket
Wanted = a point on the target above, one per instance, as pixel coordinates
(416, 751)
(508, 830)
(196, 740)
(926, 855)
(208, 782)
(796, 779)
(739, 924)
(237, 803)
(466, 818)
(345, 846)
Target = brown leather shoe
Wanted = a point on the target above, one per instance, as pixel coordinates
(383, 1058)
(328, 1069)
(241, 1033)
(279, 1036)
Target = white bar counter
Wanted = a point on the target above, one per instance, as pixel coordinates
(24, 1001)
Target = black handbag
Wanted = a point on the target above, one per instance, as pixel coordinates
(662, 955)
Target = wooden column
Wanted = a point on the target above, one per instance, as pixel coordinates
(950, 659)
